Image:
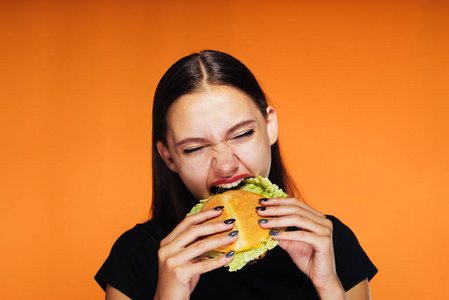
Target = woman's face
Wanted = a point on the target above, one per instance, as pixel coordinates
(217, 137)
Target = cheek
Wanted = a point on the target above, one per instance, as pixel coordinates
(256, 157)
(264, 161)
(193, 173)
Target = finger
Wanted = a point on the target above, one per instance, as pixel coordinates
(188, 221)
(284, 210)
(290, 202)
(208, 265)
(195, 232)
(299, 222)
(198, 248)
(320, 244)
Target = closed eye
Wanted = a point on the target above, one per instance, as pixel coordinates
(245, 134)
(192, 150)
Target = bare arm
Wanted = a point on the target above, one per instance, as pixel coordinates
(113, 294)
(359, 292)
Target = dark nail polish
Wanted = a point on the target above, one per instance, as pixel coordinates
(274, 232)
(261, 208)
(263, 199)
(233, 233)
(229, 221)
(262, 221)
(229, 254)
(219, 208)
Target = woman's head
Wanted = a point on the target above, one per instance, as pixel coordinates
(211, 125)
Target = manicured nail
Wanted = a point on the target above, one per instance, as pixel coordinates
(229, 254)
(233, 233)
(274, 232)
(218, 208)
(261, 208)
(262, 221)
(263, 199)
(229, 221)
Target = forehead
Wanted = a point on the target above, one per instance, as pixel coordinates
(210, 111)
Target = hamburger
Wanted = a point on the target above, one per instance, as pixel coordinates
(240, 204)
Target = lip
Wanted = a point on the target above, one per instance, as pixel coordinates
(229, 180)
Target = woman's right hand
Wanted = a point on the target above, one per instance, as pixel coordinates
(179, 266)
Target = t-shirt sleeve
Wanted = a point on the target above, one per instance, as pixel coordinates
(132, 265)
(352, 263)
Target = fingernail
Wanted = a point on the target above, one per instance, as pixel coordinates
(263, 199)
(261, 208)
(262, 221)
(229, 221)
(233, 233)
(274, 232)
(229, 254)
(218, 208)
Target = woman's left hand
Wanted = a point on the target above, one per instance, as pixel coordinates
(310, 247)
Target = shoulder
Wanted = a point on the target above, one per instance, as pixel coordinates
(340, 230)
(352, 263)
(149, 233)
(139, 244)
(131, 266)
(343, 236)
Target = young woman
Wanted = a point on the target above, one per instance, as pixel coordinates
(212, 126)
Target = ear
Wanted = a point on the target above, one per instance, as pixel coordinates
(165, 154)
(272, 124)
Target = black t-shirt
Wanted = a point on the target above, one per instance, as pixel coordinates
(132, 268)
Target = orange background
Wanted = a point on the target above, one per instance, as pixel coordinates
(361, 91)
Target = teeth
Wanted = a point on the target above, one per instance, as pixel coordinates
(230, 185)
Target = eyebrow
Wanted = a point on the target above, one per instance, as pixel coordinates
(203, 140)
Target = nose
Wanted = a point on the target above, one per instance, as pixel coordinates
(224, 162)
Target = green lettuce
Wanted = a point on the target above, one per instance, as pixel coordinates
(265, 188)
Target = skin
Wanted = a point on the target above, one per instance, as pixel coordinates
(219, 133)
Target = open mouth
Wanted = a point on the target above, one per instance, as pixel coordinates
(231, 185)
(220, 188)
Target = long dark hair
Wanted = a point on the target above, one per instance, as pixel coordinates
(171, 199)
